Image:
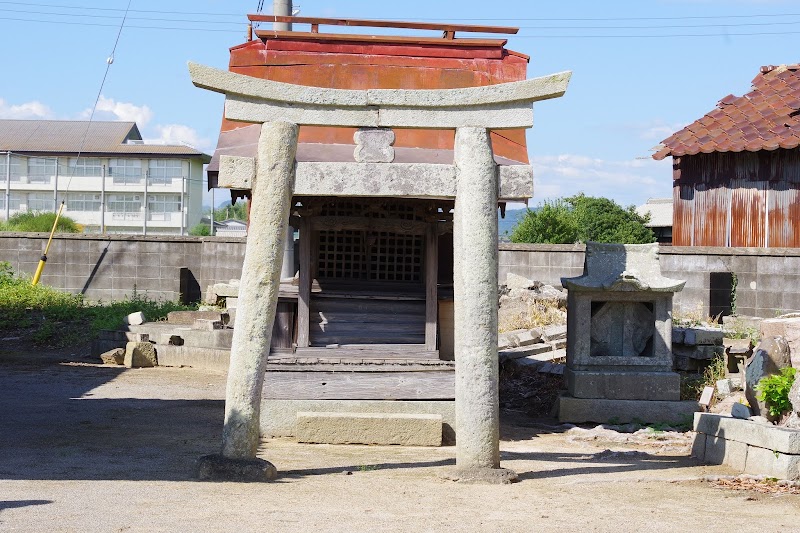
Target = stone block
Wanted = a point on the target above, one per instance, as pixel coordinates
(765, 462)
(720, 451)
(524, 351)
(623, 385)
(140, 354)
(752, 433)
(678, 335)
(279, 417)
(513, 281)
(113, 357)
(699, 447)
(724, 387)
(134, 319)
(554, 332)
(203, 324)
(580, 410)
(369, 428)
(703, 336)
(374, 145)
(187, 318)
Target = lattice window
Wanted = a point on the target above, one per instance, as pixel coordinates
(371, 255)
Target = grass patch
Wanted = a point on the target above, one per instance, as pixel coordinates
(40, 222)
(53, 318)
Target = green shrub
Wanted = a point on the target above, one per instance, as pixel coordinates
(200, 230)
(774, 390)
(61, 318)
(41, 222)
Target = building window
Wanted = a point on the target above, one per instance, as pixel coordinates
(163, 171)
(161, 206)
(41, 169)
(126, 171)
(14, 203)
(125, 203)
(164, 203)
(83, 202)
(38, 201)
(15, 168)
(83, 166)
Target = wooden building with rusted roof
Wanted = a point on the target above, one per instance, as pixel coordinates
(736, 170)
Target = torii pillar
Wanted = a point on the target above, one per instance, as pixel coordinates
(474, 181)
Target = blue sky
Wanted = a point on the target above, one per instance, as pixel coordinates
(641, 70)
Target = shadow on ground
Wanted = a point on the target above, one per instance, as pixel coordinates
(53, 428)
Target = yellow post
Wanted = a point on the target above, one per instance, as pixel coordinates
(43, 260)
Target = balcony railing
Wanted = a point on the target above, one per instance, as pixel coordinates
(164, 180)
(126, 216)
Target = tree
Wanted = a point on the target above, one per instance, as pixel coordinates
(583, 218)
(237, 211)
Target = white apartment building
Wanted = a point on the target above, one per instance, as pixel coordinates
(110, 180)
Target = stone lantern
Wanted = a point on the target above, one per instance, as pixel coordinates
(619, 339)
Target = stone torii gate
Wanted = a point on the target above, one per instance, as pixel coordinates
(474, 181)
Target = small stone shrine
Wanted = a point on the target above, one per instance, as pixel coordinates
(619, 339)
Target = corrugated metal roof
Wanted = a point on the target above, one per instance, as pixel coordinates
(660, 210)
(66, 136)
(764, 119)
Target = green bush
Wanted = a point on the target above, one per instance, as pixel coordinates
(583, 218)
(61, 318)
(40, 222)
(774, 390)
(200, 230)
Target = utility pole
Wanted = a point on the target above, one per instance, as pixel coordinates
(282, 8)
(8, 185)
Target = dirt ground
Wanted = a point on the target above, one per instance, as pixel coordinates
(87, 447)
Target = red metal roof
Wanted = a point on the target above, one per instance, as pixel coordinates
(766, 118)
(363, 61)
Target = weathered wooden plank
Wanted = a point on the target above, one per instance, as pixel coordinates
(324, 339)
(304, 290)
(359, 385)
(431, 286)
(370, 306)
(283, 327)
(321, 317)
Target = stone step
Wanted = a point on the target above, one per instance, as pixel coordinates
(369, 428)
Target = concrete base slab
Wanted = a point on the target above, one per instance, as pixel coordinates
(369, 428)
(279, 417)
(218, 468)
(486, 476)
(579, 410)
(663, 386)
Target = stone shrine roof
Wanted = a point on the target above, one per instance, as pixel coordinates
(622, 268)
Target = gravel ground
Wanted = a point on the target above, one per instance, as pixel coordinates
(87, 447)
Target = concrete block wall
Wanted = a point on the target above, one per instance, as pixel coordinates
(767, 279)
(111, 267)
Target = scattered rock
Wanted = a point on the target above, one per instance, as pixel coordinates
(113, 357)
(724, 387)
(513, 281)
(140, 354)
(740, 410)
(134, 319)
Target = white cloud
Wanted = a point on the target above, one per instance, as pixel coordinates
(180, 134)
(27, 110)
(110, 109)
(627, 181)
